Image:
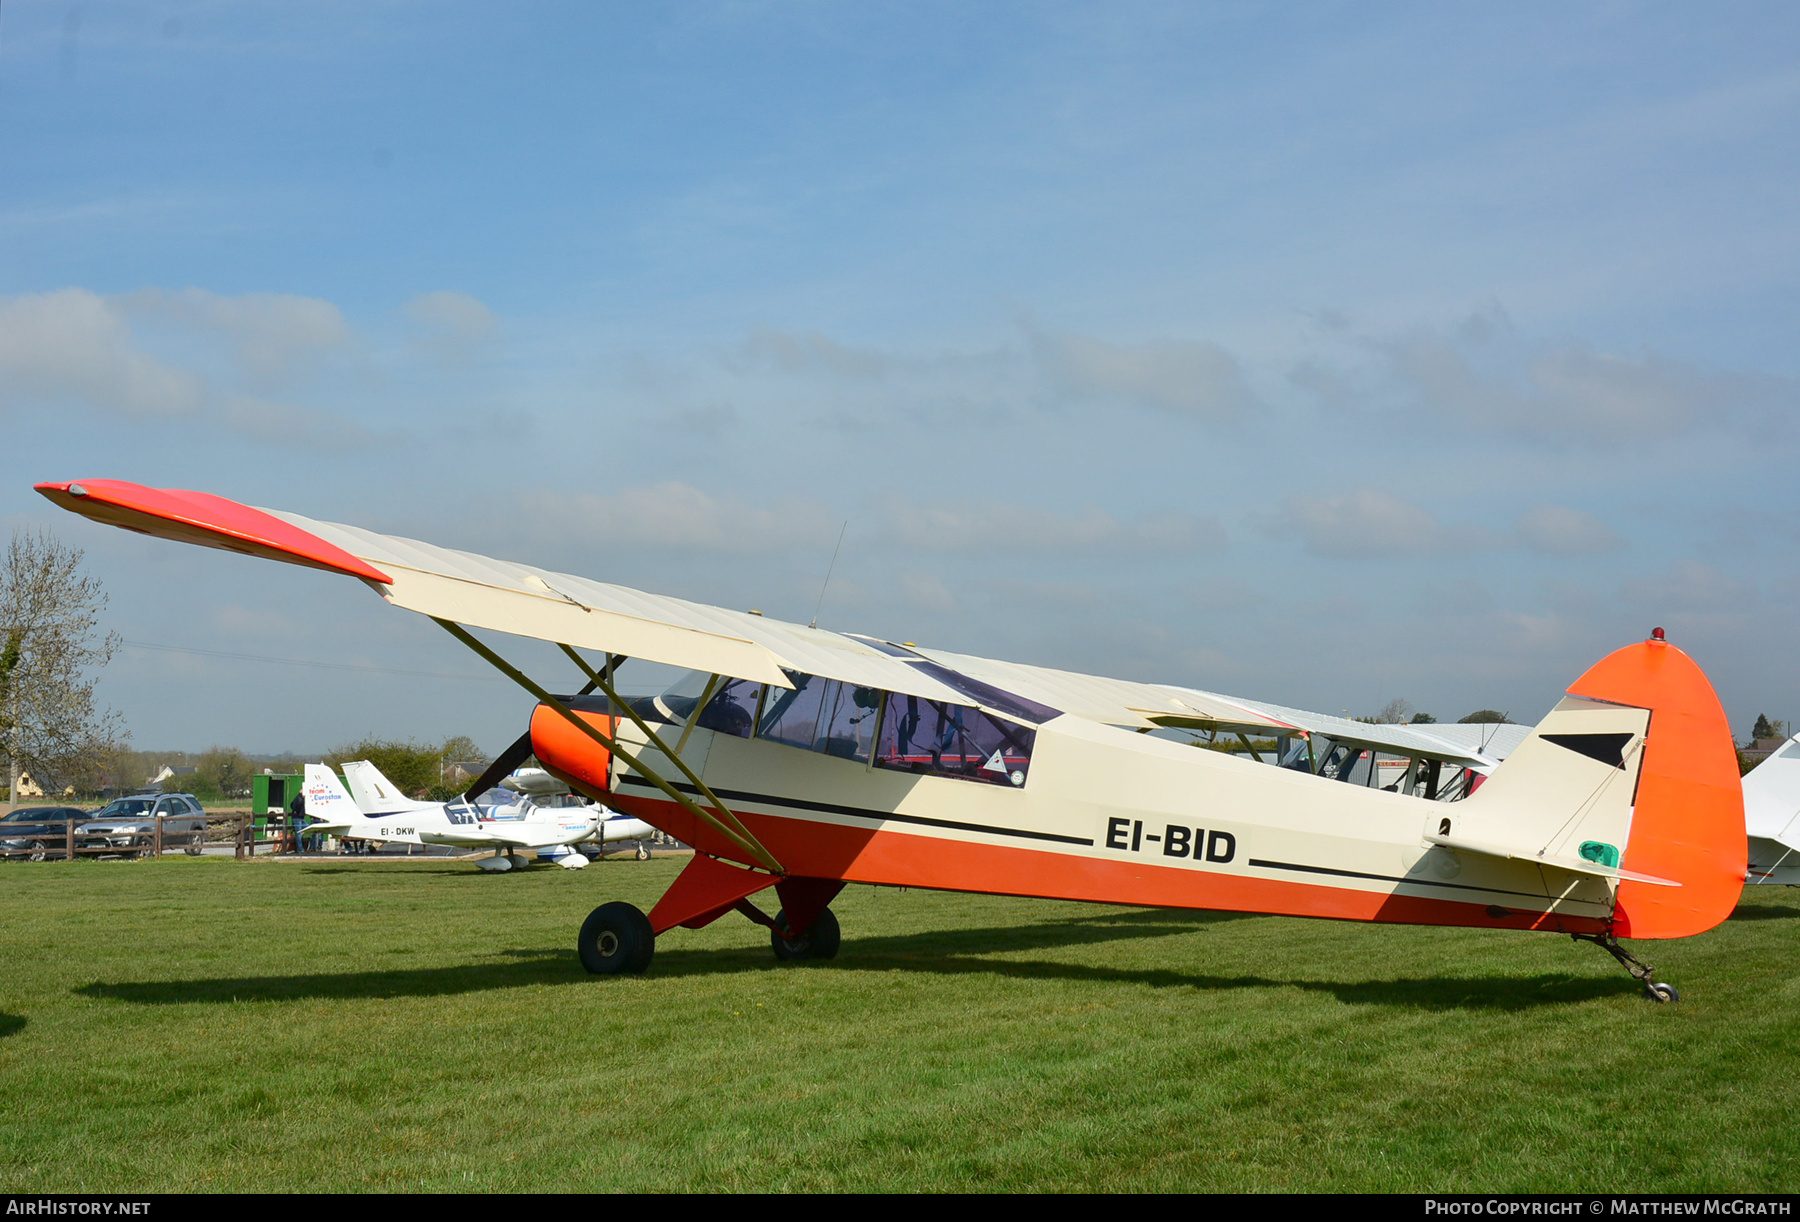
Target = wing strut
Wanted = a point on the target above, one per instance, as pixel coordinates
(744, 837)
(737, 834)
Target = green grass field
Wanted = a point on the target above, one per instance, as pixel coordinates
(187, 1025)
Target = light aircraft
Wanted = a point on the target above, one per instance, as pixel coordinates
(461, 823)
(374, 794)
(801, 759)
(1772, 817)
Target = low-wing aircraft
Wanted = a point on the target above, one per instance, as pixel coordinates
(375, 795)
(550, 832)
(1772, 817)
(801, 759)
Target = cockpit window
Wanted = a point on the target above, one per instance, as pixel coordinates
(732, 709)
(953, 740)
(841, 719)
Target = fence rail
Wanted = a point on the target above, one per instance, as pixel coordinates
(51, 842)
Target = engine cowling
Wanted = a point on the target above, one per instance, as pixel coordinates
(571, 756)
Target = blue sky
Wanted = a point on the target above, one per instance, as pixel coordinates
(1326, 354)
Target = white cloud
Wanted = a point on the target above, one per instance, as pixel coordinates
(272, 334)
(998, 528)
(927, 593)
(73, 345)
(1187, 377)
(1689, 586)
(456, 316)
(811, 352)
(1369, 522)
(1487, 378)
(1566, 532)
(450, 328)
(286, 423)
(680, 517)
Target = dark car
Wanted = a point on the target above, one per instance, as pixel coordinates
(38, 831)
(129, 824)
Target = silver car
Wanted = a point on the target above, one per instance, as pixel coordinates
(129, 824)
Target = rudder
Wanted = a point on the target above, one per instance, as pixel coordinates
(1688, 820)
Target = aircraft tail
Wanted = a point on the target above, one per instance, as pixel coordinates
(326, 800)
(1632, 777)
(377, 795)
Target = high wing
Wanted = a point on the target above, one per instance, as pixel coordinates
(523, 600)
(1145, 706)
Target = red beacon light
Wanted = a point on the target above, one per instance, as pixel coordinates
(1656, 634)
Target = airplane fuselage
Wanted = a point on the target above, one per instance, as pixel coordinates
(1115, 816)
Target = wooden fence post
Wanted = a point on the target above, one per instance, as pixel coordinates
(156, 842)
(69, 846)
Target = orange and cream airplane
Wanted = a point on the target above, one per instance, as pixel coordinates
(800, 759)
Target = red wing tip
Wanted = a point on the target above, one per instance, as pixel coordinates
(210, 515)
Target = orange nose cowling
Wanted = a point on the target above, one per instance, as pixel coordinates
(571, 756)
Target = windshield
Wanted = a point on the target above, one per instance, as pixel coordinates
(125, 808)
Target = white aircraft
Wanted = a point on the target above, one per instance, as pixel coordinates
(801, 759)
(374, 794)
(522, 825)
(1772, 817)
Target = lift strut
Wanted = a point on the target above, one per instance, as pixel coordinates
(723, 822)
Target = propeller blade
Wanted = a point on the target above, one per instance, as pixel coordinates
(502, 766)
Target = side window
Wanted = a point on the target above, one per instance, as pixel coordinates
(825, 715)
(953, 740)
(792, 716)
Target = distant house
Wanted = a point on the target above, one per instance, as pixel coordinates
(29, 788)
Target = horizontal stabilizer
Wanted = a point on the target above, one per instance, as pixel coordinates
(1575, 865)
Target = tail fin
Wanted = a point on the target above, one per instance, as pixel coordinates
(326, 799)
(375, 793)
(1772, 796)
(1635, 772)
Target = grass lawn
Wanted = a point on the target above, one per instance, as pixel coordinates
(185, 1025)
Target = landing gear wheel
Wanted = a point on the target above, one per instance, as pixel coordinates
(39, 850)
(820, 941)
(643, 854)
(1658, 991)
(616, 938)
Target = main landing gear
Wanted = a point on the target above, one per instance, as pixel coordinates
(1654, 990)
(617, 938)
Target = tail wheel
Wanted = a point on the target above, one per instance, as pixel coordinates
(616, 938)
(820, 941)
(1658, 991)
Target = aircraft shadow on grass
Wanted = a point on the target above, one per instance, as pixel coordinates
(11, 1024)
(1763, 912)
(947, 952)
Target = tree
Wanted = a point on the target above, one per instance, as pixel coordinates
(50, 645)
(1767, 729)
(1423, 719)
(1393, 713)
(1484, 717)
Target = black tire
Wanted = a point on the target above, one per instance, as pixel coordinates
(1657, 991)
(616, 938)
(192, 851)
(643, 854)
(39, 850)
(820, 941)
